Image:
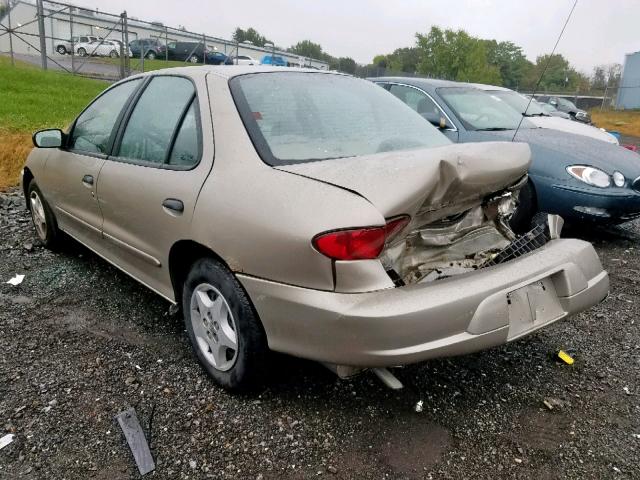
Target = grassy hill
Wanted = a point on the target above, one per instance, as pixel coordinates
(31, 99)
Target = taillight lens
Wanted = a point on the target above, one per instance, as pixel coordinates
(358, 243)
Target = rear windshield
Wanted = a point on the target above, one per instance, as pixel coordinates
(299, 117)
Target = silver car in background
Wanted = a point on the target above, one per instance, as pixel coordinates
(305, 212)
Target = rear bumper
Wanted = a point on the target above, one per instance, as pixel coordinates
(455, 316)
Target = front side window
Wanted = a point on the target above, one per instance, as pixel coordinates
(478, 110)
(417, 100)
(566, 103)
(93, 128)
(298, 117)
(155, 118)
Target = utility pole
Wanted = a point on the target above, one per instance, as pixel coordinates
(41, 31)
(125, 30)
(73, 46)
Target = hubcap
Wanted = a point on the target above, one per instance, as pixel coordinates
(214, 327)
(39, 218)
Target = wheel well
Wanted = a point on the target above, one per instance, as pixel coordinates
(181, 257)
(27, 177)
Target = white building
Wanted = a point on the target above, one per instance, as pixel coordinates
(62, 21)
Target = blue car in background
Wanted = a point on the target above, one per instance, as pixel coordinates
(216, 58)
(577, 177)
(274, 60)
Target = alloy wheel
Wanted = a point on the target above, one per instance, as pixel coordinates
(38, 215)
(214, 327)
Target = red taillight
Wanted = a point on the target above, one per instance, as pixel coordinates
(358, 243)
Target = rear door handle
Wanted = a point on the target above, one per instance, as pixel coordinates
(88, 180)
(174, 205)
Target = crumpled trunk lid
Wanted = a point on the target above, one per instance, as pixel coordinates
(447, 192)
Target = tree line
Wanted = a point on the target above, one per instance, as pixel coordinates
(457, 55)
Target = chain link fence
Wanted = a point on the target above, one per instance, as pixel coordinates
(111, 46)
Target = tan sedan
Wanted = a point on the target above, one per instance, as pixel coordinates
(305, 212)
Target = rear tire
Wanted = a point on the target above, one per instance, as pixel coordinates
(43, 219)
(151, 55)
(61, 49)
(527, 206)
(225, 332)
(82, 52)
(113, 54)
(193, 59)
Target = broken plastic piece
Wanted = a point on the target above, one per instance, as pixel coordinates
(388, 378)
(6, 440)
(565, 357)
(134, 434)
(17, 280)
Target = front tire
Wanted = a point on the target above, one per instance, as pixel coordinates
(193, 59)
(225, 332)
(151, 55)
(62, 50)
(113, 54)
(82, 52)
(43, 219)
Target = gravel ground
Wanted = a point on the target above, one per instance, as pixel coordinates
(81, 341)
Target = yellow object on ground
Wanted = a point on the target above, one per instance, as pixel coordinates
(565, 357)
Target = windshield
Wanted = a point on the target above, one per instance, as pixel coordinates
(566, 103)
(297, 117)
(519, 102)
(547, 107)
(479, 110)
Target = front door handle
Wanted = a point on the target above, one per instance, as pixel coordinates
(174, 205)
(87, 180)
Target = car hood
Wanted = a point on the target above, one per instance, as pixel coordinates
(553, 150)
(557, 123)
(435, 181)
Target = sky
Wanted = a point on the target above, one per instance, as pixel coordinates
(600, 31)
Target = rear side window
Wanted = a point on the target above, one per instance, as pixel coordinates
(186, 148)
(165, 105)
(416, 99)
(298, 117)
(92, 130)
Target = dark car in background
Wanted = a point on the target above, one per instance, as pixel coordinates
(577, 177)
(193, 52)
(567, 106)
(151, 48)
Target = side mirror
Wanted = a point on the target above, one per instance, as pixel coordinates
(554, 103)
(50, 138)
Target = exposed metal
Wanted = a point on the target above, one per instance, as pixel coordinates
(388, 378)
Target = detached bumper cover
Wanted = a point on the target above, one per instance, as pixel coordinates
(454, 316)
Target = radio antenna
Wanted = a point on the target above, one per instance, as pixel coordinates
(535, 89)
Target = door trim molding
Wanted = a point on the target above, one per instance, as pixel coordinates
(79, 220)
(139, 253)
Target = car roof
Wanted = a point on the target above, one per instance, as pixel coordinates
(492, 88)
(420, 82)
(230, 71)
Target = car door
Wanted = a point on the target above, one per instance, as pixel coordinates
(149, 186)
(71, 177)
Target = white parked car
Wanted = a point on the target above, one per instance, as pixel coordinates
(242, 60)
(541, 118)
(101, 48)
(63, 47)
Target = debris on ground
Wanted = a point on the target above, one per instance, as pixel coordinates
(565, 357)
(419, 406)
(16, 280)
(134, 434)
(6, 440)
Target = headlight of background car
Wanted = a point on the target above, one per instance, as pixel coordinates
(590, 175)
(618, 179)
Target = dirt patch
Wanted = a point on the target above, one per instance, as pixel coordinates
(626, 122)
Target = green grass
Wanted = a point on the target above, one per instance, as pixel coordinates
(31, 98)
(149, 65)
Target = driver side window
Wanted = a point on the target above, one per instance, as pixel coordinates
(93, 128)
(417, 100)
